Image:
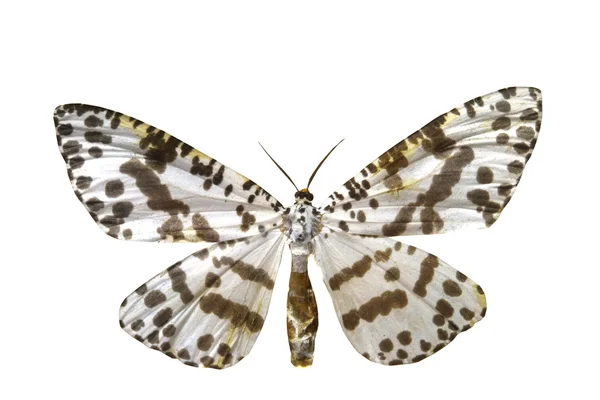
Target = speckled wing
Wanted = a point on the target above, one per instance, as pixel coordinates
(396, 304)
(459, 171)
(208, 309)
(140, 183)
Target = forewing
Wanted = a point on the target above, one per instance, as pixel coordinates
(459, 171)
(140, 183)
(208, 309)
(397, 304)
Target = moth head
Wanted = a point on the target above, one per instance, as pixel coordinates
(303, 196)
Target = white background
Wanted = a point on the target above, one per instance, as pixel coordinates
(297, 76)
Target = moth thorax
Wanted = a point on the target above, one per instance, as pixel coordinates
(302, 223)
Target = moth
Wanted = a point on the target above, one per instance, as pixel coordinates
(397, 304)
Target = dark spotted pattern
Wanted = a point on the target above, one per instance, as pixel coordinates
(87, 134)
(185, 299)
(392, 274)
(383, 255)
(400, 327)
(237, 313)
(380, 305)
(154, 298)
(205, 342)
(488, 140)
(178, 283)
(426, 274)
(358, 269)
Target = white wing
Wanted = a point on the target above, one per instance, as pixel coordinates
(459, 171)
(397, 304)
(208, 309)
(140, 183)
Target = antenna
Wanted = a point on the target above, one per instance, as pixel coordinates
(278, 166)
(321, 163)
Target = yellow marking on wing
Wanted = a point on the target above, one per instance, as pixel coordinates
(412, 147)
(228, 341)
(196, 153)
(141, 129)
(233, 331)
(480, 297)
(449, 117)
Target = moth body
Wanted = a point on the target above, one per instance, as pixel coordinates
(302, 225)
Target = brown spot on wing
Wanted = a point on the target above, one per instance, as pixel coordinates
(405, 338)
(97, 137)
(183, 354)
(238, 314)
(202, 254)
(360, 216)
(141, 290)
(373, 203)
(160, 147)
(158, 194)
(169, 330)
(451, 288)
(502, 138)
(358, 269)
(178, 283)
(444, 308)
(425, 345)
(440, 190)
(171, 227)
(343, 226)
(393, 182)
(205, 342)
(64, 129)
(249, 272)
(154, 298)
(83, 182)
(485, 175)
(162, 317)
(529, 115)
(439, 320)
(71, 147)
(386, 345)
(525, 132)
(503, 106)
(212, 280)
(247, 221)
(114, 188)
(223, 350)
(428, 266)
(383, 256)
(137, 325)
(392, 274)
(379, 305)
(95, 152)
(122, 209)
(92, 121)
(488, 208)
(467, 314)
(203, 229)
